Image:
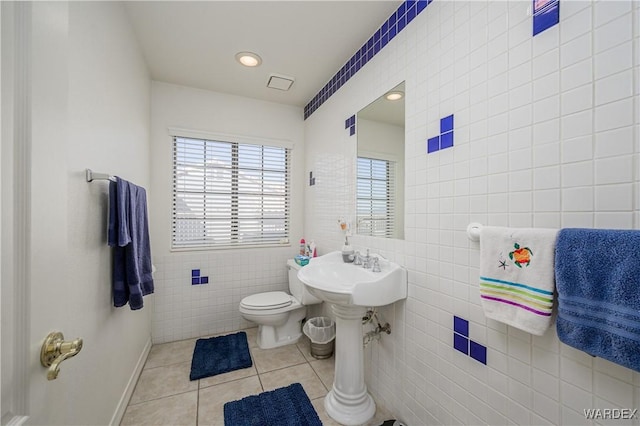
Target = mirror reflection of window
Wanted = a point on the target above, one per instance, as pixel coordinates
(375, 197)
(380, 167)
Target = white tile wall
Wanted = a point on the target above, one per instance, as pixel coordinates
(547, 133)
(183, 311)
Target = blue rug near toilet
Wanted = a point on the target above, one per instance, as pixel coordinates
(288, 406)
(217, 355)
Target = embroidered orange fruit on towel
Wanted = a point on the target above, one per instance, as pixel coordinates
(521, 255)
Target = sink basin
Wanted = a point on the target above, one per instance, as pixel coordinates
(330, 279)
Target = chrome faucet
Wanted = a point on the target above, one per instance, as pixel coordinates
(367, 259)
(376, 265)
(357, 259)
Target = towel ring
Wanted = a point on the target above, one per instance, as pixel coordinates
(473, 231)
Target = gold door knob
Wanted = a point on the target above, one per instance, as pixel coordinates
(55, 350)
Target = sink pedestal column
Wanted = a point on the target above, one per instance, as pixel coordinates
(348, 402)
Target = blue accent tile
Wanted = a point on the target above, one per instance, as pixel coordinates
(385, 39)
(352, 130)
(433, 144)
(546, 18)
(346, 123)
(195, 272)
(402, 22)
(461, 326)
(446, 124)
(422, 5)
(401, 9)
(392, 20)
(195, 280)
(461, 343)
(392, 32)
(478, 352)
(204, 280)
(411, 13)
(446, 140)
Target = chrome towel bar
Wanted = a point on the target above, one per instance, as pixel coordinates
(91, 176)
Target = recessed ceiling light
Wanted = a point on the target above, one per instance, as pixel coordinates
(248, 59)
(394, 96)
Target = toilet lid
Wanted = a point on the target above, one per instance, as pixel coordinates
(269, 300)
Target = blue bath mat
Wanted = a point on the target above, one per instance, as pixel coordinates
(221, 354)
(289, 406)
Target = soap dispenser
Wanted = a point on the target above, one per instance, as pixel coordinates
(347, 251)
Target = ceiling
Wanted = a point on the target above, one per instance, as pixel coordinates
(383, 110)
(194, 43)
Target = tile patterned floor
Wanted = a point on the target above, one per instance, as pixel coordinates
(164, 395)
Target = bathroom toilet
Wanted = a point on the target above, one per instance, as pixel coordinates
(278, 314)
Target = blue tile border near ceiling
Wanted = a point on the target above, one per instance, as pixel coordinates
(398, 20)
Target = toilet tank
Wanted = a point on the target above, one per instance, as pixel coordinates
(297, 287)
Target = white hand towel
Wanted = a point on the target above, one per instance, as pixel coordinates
(517, 278)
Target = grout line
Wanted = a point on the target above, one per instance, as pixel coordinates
(161, 397)
(198, 404)
(229, 381)
(318, 376)
(282, 368)
(261, 384)
(145, 368)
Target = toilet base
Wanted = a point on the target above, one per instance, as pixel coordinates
(269, 343)
(289, 333)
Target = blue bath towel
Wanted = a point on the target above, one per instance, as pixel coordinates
(128, 234)
(598, 284)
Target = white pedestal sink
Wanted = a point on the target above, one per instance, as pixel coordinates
(351, 289)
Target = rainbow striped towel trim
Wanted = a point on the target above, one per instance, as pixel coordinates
(534, 300)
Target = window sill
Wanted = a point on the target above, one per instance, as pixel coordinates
(229, 247)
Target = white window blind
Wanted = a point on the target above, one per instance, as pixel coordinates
(228, 194)
(375, 204)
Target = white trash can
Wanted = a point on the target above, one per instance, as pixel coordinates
(322, 333)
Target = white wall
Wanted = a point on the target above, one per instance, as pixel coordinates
(181, 310)
(546, 135)
(90, 108)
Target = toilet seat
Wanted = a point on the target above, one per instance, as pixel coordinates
(267, 301)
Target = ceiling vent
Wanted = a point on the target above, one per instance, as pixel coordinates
(280, 82)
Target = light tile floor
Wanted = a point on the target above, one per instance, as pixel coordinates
(164, 395)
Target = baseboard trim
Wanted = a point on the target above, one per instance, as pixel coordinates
(128, 391)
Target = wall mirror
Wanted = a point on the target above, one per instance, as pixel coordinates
(380, 166)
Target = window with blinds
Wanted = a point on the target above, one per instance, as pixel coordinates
(228, 194)
(375, 203)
